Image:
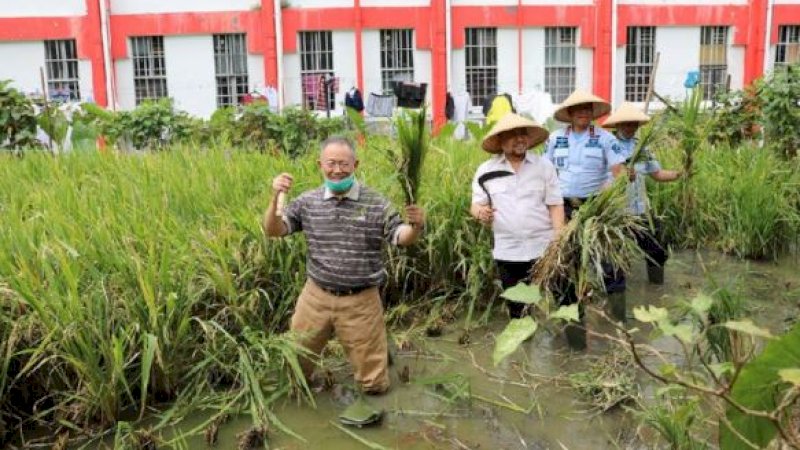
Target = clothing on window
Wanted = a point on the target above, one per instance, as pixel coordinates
(410, 95)
(354, 100)
(380, 105)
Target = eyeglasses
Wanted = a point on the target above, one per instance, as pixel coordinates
(343, 165)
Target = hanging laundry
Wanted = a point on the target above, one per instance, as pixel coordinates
(380, 105)
(461, 104)
(410, 95)
(310, 90)
(500, 106)
(354, 100)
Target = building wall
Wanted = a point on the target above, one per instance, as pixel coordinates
(191, 78)
(42, 8)
(680, 53)
(176, 6)
(507, 60)
(320, 3)
(28, 57)
(533, 59)
(371, 50)
(682, 2)
(372, 3)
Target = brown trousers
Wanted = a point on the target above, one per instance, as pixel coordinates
(356, 320)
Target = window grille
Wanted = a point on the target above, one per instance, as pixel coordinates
(61, 65)
(230, 64)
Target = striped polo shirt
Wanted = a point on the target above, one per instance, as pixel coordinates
(345, 236)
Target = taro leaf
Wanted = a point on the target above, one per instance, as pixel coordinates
(790, 376)
(759, 387)
(681, 331)
(651, 314)
(514, 334)
(568, 313)
(746, 326)
(702, 304)
(523, 293)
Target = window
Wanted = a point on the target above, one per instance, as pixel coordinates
(559, 62)
(149, 69)
(61, 63)
(316, 61)
(713, 60)
(481, 63)
(787, 51)
(230, 64)
(639, 55)
(397, 57)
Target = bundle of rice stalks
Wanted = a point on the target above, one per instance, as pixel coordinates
(412, 134)
(601, 232)
(609, 381)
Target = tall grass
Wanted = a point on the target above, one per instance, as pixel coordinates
(130, 281)
(746, 201)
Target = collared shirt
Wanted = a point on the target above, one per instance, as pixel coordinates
(638, 202)
(583, 159)
(522, 226)
(345, 235)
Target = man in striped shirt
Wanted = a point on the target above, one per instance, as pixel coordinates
(346, 225)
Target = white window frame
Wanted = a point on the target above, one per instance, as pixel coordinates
(713, 76)
(230, 66)
(61, 68)
(480, 63)
(316, 58)
(788, 42)
(149, 68)
(560, 48)
(397, 57)
(640, 52)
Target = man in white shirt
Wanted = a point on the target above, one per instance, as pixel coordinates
(517, 193)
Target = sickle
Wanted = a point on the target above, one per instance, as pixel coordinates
(483, 179)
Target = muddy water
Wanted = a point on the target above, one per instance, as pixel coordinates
(552, 415)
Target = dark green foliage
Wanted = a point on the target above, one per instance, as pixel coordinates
(759, 387)
(17, 122)
(780, 93)
(289, 132)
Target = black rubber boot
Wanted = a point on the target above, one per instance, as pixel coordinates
(576, 336)
(618, 306)
(655, 274)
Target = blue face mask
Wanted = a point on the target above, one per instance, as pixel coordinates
(340, 186)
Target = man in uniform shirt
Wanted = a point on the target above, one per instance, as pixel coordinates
(346, 226)
(516, 193)
(626, 120)
(583, 154)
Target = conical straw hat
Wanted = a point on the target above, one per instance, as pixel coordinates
(627, 112)
(579, 97)
(536, 133)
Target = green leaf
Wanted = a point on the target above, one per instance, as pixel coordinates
(512, 336)
(681, 331)
(702, 304)
(746, 326)
(759, 387)
(650, 314)
(568, 313)
(523, 293)
(790, 375)
(720, 369)
(667, 369)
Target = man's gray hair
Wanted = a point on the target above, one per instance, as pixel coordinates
(337, 140)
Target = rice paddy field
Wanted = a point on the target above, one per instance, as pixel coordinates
(141, 305)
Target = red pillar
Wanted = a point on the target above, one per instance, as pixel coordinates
(601, 59)
(756, 34)
(269, 43)
(438, 62)
(359, 47)
(90, 43)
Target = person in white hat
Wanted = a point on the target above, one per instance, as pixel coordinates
(517, 193)
(626, 120)
(583, 154)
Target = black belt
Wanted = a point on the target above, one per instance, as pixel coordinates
(575, 202)
(346, 291)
